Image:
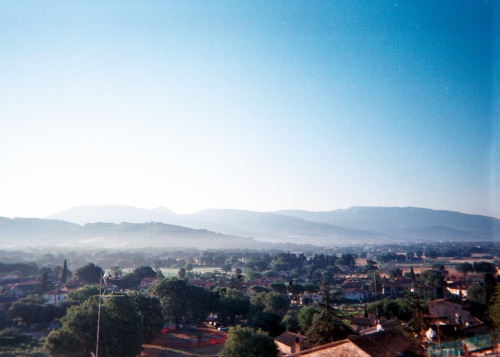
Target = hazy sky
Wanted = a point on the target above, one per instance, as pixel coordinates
(256, 105)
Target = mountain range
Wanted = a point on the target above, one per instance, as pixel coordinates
(131, 227)
(34, 232)
(329, 228)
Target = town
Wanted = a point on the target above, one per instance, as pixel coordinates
(428, 299)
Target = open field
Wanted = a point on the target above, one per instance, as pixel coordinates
(173, 271)
(201, 270)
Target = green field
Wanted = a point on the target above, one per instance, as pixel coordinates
(173, 271)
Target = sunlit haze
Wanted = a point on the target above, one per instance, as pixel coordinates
(258, 105)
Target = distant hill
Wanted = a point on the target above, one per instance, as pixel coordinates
(29, 232)
(353, 225)
(408, 222)
(33, 231)
(276, 227)
(111, 214)
(260, 225)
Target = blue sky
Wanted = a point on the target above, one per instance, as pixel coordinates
(249, 105)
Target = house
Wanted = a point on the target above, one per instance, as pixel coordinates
(393, 289)
(448, 308)
(307, 298)
(8, 281)
(388, 343)
(352, 284)
(366, 325)
(342, 348)
(55, 296)
(458, 288)
(458, 314)
(458, 317)
(264, 282)
(148, 282)
(113, 283)
(363, 323)
(354, 289)
(425, 291)
(202, 283)
(396, 288)
(357, 295)
(24, 289)
(289, 342)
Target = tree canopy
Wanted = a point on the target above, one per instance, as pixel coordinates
(181, 301)
(464, 268)
(65, 273)
(80, 295)
(89, 273)
(495, 307)
(243, 342)
(327, 326)
(229, 303)
(119, 335)
(143, 272)
(34, 310)
(150, 314)
(305, 317)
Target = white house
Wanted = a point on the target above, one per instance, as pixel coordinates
(55, 296)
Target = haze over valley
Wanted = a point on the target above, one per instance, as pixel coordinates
(131, 227)
(320, 169)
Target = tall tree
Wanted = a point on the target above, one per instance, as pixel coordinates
(119, 335)
(89, 273)
(464, 268)
(495, 307)
(412, 274)
(327, 326)
(290, 322)
(243, 342)
(348, 260)
(64, 272)
(489, 288)
(181, 301)
(371, 265)
(230, 303)
(417, 308)
(143, 272)
(271, 302)
(150, 314)
(305, 317)
(45, 283)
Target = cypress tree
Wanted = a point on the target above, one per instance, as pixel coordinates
(64, 273)
(327, 326)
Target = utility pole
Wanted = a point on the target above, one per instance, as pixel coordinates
(98, 318)
(375, 292)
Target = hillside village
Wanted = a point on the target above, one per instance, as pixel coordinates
(421, 302)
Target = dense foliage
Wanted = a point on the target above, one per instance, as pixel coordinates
(182, 302)
(244, 342)
(121, 330)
